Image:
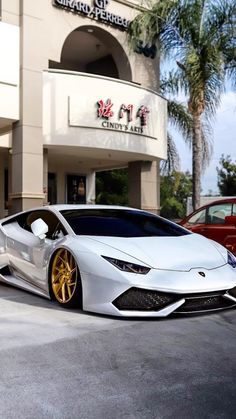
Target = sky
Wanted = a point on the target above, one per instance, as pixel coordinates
(224, 142)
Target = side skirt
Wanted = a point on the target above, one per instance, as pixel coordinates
(20, 283)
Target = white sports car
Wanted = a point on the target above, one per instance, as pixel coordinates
(115, 260)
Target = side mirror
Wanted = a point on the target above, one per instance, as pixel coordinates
(39, 228)
(230, 219)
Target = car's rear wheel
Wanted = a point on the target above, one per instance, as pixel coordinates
(65, 282)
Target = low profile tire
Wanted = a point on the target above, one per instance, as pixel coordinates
(64, 280)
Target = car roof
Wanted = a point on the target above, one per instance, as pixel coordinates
(70, 207)
(63, 207)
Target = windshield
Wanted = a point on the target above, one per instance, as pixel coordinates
(120, 223)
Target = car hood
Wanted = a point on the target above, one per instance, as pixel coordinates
(180, 253)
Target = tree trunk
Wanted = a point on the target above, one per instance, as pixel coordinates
(196, 161)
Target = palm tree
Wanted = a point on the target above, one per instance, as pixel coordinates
(200, 35)
(181, 120)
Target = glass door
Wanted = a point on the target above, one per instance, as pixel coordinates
(52, 188)
(76, 189)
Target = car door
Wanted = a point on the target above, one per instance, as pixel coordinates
(216, 228)
(28, 255)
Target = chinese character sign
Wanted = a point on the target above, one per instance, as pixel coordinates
(128, 110)
(106, 110)
(142, 114)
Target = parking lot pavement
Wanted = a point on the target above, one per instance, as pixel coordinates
(57, 363)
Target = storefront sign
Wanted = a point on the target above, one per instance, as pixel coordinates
(139, 115)
(133, 120)
(125, 117)
(98, 11)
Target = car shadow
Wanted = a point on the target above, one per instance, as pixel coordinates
(9, 293)
(14, 294)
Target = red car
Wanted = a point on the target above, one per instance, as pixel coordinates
(217, 221)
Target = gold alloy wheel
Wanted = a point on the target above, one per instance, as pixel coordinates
(64, 276)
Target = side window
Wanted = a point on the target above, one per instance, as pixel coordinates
(217, 213)
(55, 228)
(234, 209)
(198, 218)
(20, 219)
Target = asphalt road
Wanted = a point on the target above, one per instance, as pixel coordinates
(65, 364)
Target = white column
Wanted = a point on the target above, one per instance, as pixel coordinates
(144, 185)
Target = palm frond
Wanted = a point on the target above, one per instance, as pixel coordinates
(173, 160)
(171, 83)
(180, 119)
(207, 144)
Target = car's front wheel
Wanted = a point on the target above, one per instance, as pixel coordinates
(65, 282)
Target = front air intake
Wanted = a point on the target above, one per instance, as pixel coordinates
(137, 299)
(205, 303)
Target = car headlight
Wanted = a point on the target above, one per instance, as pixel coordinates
(231, 260)
(127, 266)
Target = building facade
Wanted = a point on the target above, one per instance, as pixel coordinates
(75, 99)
